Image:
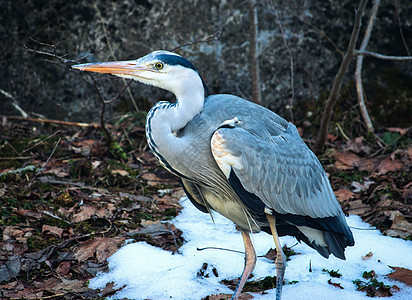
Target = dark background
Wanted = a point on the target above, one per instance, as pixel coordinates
(46, 86)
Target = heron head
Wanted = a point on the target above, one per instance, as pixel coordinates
(163, 69)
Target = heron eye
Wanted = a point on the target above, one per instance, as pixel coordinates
(158, 65)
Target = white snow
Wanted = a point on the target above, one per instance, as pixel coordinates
(152, 273)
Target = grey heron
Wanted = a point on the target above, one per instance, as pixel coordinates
(239, 159)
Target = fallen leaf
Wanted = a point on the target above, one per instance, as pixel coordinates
(335, 284)
(71, 285)
(357, 207)
(95, 164)
(358, 145)
(409, 152)
(367, 256)
(344, 194)
(331, 138)
(152, 179)
(389, 165)
(85, 213)
(242, 296)
(12, 232)
(401, 274)
(29, 213)
(53, 230)
(346, 160)
(400, 226)
(398, 130)
(63, 268)
(120, 172)
(99, 247)
(59, 172)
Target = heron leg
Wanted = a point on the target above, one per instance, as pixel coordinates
(250, 262)
(280, 262)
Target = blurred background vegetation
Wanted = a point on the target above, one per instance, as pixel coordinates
(315, 33)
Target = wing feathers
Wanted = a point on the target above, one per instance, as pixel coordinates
(280, 170)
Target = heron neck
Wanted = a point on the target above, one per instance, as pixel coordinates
(185, 109)
(165, 119)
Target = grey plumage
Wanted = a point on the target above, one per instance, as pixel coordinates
(239, 159)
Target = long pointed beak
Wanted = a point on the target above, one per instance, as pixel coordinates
(127, 68)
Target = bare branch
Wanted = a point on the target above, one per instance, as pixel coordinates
(400, 27)
(113, 55)
(254, 53)
(92, 83)
(213, 37)
(44, 165)
(358, 72)
(14, 103)
(382, 56)
(315, 28)
(52, 121)
(292, 85)
(337, 83)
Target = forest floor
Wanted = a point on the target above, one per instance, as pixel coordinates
(68, 201)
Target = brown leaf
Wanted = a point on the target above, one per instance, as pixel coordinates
(335, 284)
(400, 226)
(71, 285)
(100, 247)
(357, 207)
(12, 232)
(120, 172)
(401, 274)
(29, 213)
(344, 194)
(347, 160)
(358, 145)
(152, 179)
(409, 152)
(407, 193)
(59, 172)
(53, 230)
(63, 268)
(398, 130)
(389, 165)
(367, 256)
(242, 296)
(85, 213)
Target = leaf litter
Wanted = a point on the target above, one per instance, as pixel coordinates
(64, 215)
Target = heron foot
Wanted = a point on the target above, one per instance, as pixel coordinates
(280, 272)
(280, 262)
(250, 262)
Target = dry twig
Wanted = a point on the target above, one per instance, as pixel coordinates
(358, 72)
(337, 83)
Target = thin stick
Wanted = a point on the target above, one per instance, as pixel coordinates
(14, 103)
(254, 53)
(112, 54)
(382, 56)
(45, 139)
(292, 85)
(54, 121)
(396, 2)
(16, 158)
(337, 83)
(358, 72)
(42, 168)
(213, 37)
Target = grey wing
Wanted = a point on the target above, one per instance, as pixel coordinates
(280, 170)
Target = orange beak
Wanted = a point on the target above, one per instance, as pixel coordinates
(128, 68)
